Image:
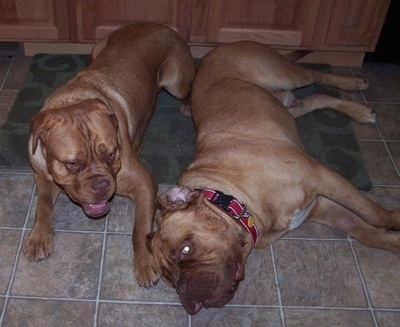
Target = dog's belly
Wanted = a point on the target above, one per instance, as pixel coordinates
(300, 216)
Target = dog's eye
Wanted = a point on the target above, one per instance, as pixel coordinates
(72, 166)
(186, 253)
(185, 250)
(110, 157)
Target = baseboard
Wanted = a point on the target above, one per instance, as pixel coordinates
(334, 58)
(57, 48)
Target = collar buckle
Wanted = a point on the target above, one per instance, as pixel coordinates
(223, 200)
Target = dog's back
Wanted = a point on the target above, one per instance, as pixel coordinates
(232, 86)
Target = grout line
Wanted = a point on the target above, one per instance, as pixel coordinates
(178, 304)
(382, 102)
(386, 185)
(5, 77)
(328, 239)
(14, 173)
(363, 283)
(70, 299)
(76, 231)
(305, 307)
(189, 319)
(278, 290)
(17, 255)
(369, 140)
(314, 239)
(388, 151)
(103, 252)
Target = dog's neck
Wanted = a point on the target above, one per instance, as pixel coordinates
(235, 209)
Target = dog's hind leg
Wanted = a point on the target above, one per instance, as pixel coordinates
(333, 186)
(177, 72)
(342, 82)
(329, 213)
(176, 75)
(356, 111)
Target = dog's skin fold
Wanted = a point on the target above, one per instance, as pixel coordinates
(86, 138)
(247, 146)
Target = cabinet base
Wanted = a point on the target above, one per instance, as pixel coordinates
(334, 58)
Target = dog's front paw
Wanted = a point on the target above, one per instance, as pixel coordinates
(145, 272)
(38, 245)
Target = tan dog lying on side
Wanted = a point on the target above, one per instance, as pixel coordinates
(251, 181)
(86, 138)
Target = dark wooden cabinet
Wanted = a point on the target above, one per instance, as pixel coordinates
(335, 27)
(34, 20)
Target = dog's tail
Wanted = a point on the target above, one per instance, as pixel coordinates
(296, 55)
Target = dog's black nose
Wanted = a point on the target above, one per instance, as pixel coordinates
(101, 186)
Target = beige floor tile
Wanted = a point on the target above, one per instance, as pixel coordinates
(366, 131)
(121, 216)
(394, 148)
(383, 84)
(314, 230)
(318, 273)
(387, 197)
(69, 216)
(9, 240)
(1, 303)
(72, 271)
(32, 312)
(379, 164)
(15, 195)
(388, 319)
(383, 285)
(389, 121)
(327, 318)
(118, 282)
(259, 286)
(121, 315)
(237, 317)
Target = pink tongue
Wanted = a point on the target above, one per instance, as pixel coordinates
(96, 209)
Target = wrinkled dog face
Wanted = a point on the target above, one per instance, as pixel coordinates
(199, 253)
(80, 147)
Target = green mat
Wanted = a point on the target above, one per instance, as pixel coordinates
(168, 145)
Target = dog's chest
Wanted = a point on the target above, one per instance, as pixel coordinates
(300, 216)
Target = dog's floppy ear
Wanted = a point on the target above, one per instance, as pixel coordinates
(111, 114)
(176, 198)
(39, 127)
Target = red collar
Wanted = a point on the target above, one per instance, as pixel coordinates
(235, 209)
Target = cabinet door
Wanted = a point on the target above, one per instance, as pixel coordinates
(38, 20)
(97, 18)
(352, 24)
(284, 22)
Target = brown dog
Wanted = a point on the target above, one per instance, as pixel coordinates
(251, 181)
(86, 138)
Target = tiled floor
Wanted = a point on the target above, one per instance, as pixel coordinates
(313, 277)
